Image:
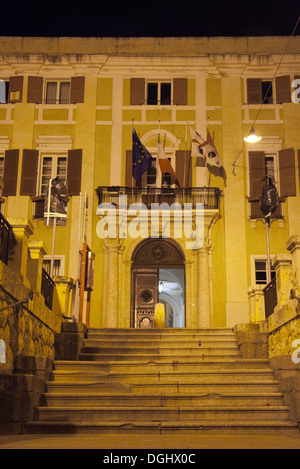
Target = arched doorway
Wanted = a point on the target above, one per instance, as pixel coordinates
(157, 276)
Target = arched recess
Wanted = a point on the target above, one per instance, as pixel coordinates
(148, 258)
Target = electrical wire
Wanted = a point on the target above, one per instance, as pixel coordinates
(269, 87)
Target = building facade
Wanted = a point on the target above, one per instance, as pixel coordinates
(68, 110)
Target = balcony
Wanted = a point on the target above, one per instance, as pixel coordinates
(256, 213)
(208, 196)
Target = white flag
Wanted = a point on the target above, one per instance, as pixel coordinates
(205, 149)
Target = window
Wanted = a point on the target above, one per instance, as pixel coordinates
(159, 93)
(267, 92)
(269, 167)
(155, 179)
(57, 92)
(261, 272)
(1, 166)
(4, 91)
(52, 166)
(58, 266)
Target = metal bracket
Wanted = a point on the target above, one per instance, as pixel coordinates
(293, 296)
(19, 302)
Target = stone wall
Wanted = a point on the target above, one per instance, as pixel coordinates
(27, 330)
(284, 329)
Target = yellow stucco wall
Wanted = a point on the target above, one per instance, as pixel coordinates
(103, 124)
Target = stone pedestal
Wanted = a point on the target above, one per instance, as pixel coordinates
(256, 305)
(35, 264)
(22, 229)
(283, 267)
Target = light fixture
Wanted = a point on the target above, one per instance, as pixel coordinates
(252, 137)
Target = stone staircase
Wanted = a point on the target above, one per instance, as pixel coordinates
(161, 381)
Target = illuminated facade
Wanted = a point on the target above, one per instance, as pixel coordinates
(68, 107)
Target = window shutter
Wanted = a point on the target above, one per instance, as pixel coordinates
(287, 172)
(299, 168)
(180, 91)
(15, 89)
(257, 173)
(77, 90)
(74, 171)
(10, 174)
(254, 95)
(283, 89)
(35, 90)
(137, 91)
(129, 181)
(29, 172)
(183, 159)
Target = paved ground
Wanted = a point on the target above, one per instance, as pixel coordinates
(147, 442)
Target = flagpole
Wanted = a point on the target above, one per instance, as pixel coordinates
(184, 168)
(267, 223)
(132, 128)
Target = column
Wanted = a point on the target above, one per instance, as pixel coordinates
(201, 172)
(203, 291)
(110, 315)
(116, 132)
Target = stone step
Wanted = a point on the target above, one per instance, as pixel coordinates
(162, 332)
(91, 414)
(90, 353)
(237, 376)
(263, 427)
(163, 365)
(152, 388)
(164, 400)
(160, 337)
(119, 357)
(90, 344)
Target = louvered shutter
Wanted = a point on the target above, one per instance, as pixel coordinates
(287, 179)
(257, 173)
(137, 91)
(10, 173)
(180, 91)
(129, 180)
(74, 171)
(77, 90)
(15, 89)
(299, 168)
(283, 89)
(35, 90)
(29, 172)
(184, 176)
(254, 94)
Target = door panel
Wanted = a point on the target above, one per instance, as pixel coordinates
(145, 297)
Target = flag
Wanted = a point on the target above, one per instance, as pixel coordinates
(205, 149)
(164, 163)
(269, 198)
(56, 203)
(141, 158)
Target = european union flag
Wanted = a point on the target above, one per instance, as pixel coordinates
(141, 158)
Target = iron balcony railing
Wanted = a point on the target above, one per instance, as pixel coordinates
(7, 240)
(47, 288)
(270, 296)
(209, 196)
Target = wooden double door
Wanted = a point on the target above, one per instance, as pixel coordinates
(144, 297)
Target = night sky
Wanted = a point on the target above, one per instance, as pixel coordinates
(149, 18)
